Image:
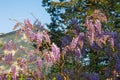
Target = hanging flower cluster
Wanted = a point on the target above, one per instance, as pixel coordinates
(45, 57)
(94, 33)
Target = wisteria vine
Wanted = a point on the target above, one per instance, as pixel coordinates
(67, 61)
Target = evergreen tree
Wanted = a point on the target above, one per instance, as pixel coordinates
(68, 18)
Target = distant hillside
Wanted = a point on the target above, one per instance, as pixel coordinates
(21, 41)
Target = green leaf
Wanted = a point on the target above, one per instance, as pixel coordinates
(1, 44)
(21, 77)
(54, 78)
(9, 77)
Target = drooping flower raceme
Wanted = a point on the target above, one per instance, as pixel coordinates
(39, 62)
(111, 40)
(13, 71)
(46, 37)
(98, 26)
(53, 56)
(47, 59)
(22, 62)
(66, 40)
(39, 38)
(9, 58)
(32, 36)
(74, 43)
(94, 76)
(90, 33)
(78, 52)
(80, 40)
(55, 53)
(94, 32)
(97, 14)
(117, 64)
(9, 47)
(28, 26)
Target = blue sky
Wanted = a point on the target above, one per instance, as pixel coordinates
(20, 10)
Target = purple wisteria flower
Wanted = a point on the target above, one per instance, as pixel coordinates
(53, 56)
(55, 53)
(38, 74)
(32, 58)
(9, 46)
(32, 36)
(64, 50)
(89, 24)
(98, 26)
(46, 36)
(90, 36)
(78, 52)
(47, 60)
(38, 25)
(111, 40)
(90, 33)
(1, 78)
(75, 25)
(59, 77)
(39, 38)
(69, 71)
(74, 43)
(39, 62)
(13, 71)
(80, 40)
(28, 25)
(97, 14)
(117, 64)
(94, 76)
(66, 40)
(31, 55)
(108, 72)
(8, 58)
(93, 24)
(74, 21)
(22, 62)
(102, 40)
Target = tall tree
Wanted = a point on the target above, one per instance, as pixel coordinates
(62, 12)
(69, 17)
